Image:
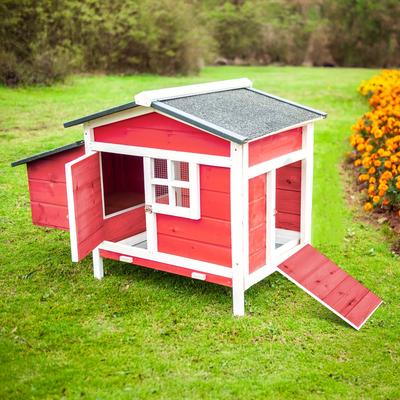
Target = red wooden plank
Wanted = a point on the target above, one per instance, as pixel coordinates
(345, 295)
(87, 197)
(288, 201)
(332, 286)
(52, 168)
(288, 178)
(48, 192)
(274, 146)
(50, 215)
(124, 225)
(257, 238)
(257, 188)
(157, 131)
(206, 230)
(215, 205)
(257, 260)
(363, 309)
(196, 250)
(216, 179)
(220, 280)
(288, 221)
(257, 212)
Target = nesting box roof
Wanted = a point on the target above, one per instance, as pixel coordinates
(230, 109)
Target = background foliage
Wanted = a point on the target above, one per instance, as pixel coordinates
(44, 40)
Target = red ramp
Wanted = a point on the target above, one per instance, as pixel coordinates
(330, 285)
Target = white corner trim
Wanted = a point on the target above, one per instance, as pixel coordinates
(147, 97)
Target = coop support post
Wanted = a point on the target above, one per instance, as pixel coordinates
(239, 192)
(307, 184)
(98, 269)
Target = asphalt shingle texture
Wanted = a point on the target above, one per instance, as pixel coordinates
(243, 111)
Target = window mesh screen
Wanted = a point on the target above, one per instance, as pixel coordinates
(182, 197)
(161, 194)
(160, 168)
(181, 170)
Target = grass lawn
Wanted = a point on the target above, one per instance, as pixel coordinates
(145, 334)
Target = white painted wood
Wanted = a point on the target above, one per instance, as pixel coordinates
(285, 247)
(147, 97)
(98, 269)
(149, 194)
(88, 136)
(307, 166)
(182, 262)
(198, 158)
(172, 182)
(285, 235)
(194, 190)
(237, 229)
(198, 275)
(275, 163)
(246, 230)
(126, 259)
(270, 215)
(288, 128)
(119, 116)
(71, 205)
(135, 239)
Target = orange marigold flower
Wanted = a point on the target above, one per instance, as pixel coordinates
(376, 199)
(368, 206)
(357, 163)
(363, 177)
(377, 163)
(372, 170)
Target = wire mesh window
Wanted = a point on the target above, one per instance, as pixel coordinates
(175, 187)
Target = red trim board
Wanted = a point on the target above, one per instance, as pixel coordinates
(331, 286)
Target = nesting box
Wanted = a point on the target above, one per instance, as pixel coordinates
(209, 181)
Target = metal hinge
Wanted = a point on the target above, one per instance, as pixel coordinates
(148, 209)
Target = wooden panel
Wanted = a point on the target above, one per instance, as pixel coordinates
(332, 286)
(48, 192)
(206, 230)
(52, 168)
(288, 201)
(124, 225)
(196, 250)
(288, 221)
(168, 268)
(274, 146)
(215, 205)
(50, 215)
(216, 179)
(157, 131)
(288, 178)
(257, 225)
(87, 198)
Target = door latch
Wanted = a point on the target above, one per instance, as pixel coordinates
(148, 209)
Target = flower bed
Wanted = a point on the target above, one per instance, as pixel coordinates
(376, 142)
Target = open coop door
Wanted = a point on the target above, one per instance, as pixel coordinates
(85, 210)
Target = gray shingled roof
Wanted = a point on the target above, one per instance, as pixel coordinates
(245, 112)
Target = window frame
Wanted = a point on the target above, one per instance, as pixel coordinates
(193, 185)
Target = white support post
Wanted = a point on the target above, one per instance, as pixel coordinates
(237, 229)
(151, 221)
(307, 166)
(270, 216)
(88, 136)
(98, 269)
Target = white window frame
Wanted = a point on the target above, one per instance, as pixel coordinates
(193, 185)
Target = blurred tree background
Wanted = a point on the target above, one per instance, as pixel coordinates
(42, 41)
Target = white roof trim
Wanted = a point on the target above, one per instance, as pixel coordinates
(147, 97)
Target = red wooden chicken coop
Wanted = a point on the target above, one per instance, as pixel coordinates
(210, 181)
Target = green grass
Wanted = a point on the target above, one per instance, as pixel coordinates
(139, 333)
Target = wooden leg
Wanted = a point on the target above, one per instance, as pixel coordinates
(98, 270)
(238, 300)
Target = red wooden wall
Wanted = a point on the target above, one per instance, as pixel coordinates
(157, 131)
(48, 195)
(209, 238)
(274, 146)
(288, 197)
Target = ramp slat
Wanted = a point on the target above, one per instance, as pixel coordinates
(330, 285)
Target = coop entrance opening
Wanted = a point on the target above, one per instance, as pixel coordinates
(122, 183)
(287, 206)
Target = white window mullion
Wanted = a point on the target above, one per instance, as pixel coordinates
(194, 190)
(171, 190)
